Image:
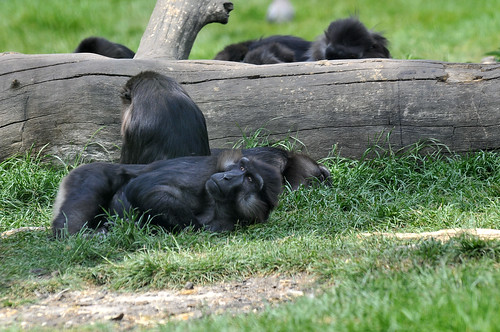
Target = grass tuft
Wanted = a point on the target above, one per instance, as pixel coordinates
(27, 188)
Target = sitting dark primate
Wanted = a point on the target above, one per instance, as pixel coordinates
(160, 121)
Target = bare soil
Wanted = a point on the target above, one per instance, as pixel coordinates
(69, 309)
(443, 234)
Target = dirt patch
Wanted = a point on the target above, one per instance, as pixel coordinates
(444, 234)
(73, 308)
(21, 229)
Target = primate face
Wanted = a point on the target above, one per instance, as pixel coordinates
(241, 178)
(249, 189)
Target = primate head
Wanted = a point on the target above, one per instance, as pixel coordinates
(349, 39)
(247, 190)
(297, 169)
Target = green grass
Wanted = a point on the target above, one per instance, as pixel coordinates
(27, 189)
(375, 284)
(448, 30)
(440, 299)
(372, 283)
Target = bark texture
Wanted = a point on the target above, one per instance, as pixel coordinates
(71, 102)
(174, 25)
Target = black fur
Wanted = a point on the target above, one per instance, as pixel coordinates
(344, 39)
(207, 192)
(273, 49)
(348, 39)
(234, 52)
(297, 169)
(213, 193)
(85, 192)
(269, 54)
(160, 121)
(104, 47)
(298, 45)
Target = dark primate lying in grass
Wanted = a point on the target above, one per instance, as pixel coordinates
(102, 46)
(234, 52)
(344, 39)
(206, 192)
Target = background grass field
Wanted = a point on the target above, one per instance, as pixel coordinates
(374, 284)
(447, 30)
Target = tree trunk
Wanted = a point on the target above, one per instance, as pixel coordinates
(71, 103)
(174, 25)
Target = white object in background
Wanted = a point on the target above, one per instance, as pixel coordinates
(280, 11)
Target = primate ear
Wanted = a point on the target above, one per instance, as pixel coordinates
(125, 94)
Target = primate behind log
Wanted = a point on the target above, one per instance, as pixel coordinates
(348, 39)
(344, 39)
(273, 49)
(104, 47)
(234, 52)
(269, 54)
(160, 121)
